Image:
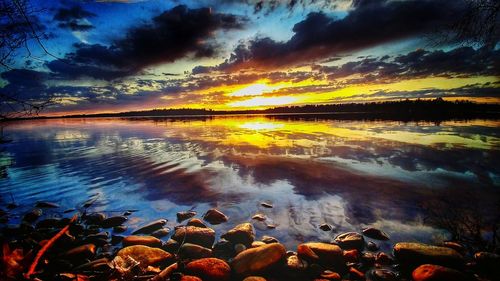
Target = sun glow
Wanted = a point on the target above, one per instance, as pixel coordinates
(254, 90)
(263, 101)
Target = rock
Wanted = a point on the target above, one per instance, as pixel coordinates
(418, 253)
(351, 255)
(269, 239)
(94, 218)
(238, 248)
(382, 275)
(356, 274)
(150, 227)
(80, 253)
(182, 216)
(191, 234)
(368, 258)
(223, 249)
(193, 251)
(330, 275)
(266, 205)
(254, 278)
(296, 265)
(371, 246)
(102, 265)
(455, 246)
(43, 204)
(32, 215)
(325, 254)
(258, 260)
(119, 228)
(259, 217)
(383, 258)
(147, 256)
(171, 246)
(431, 272)
(209, 269)
(270, 225)
(113, 221)
(350, 240)
(214, 216)
(196, 222)
(142, 240)
(162, 232)
(256, 244)
(375, 233)
(240, 234)
(190, 278)
(325, 227)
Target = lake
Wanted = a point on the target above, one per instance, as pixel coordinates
(349, 174)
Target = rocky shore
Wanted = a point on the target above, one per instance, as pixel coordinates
(90, 246)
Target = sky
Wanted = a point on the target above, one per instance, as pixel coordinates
(119, 55)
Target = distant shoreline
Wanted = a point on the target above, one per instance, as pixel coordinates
(407, 110)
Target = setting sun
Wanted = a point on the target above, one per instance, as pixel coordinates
(254, 90)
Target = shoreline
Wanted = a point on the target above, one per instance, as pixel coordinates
(93, 249)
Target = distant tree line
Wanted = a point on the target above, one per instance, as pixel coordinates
(418, 109)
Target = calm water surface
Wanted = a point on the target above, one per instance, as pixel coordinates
(349, 174)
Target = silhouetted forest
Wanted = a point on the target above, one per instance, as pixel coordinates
(435, 109)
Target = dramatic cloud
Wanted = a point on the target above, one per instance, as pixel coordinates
(74, 18)
(459, 62)
(172, 35)
(319, 35)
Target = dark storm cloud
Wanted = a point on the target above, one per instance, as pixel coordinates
(24, 84)
(74, 18)
(368, 24)
(172, 35)
(459, 62)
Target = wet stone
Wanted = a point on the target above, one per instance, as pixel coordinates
(259, 217)
(191, 234)
(48, 223)
(269, 239)
(162, 232)
(94, 218)
(350, 240)
(147, 256)
(141, 240)
(182, 216)
(240, 234)
(382, 275)
(418, 253)
(325, 227)
(113, 221)
(375, 233)
(214, 216)
(266, 205)
(431, 272)
(119, 228)
(328, 255)
(209, 269)
(150, 227)
(258, 260)
(193, 251)
(80, 253)
(238, 248)
(196, 222)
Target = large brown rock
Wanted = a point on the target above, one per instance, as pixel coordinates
(258, 260)
(197, 235)
(141, 240)
(150, 227)
(375, 233)
(193, 251)
(431, 272)
(350, 240)
(328, 255)
(415, 254)
(209, 269)
(145, 255)
(214, 216)
(241, 234)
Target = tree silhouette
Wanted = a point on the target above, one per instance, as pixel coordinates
(19, 29)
